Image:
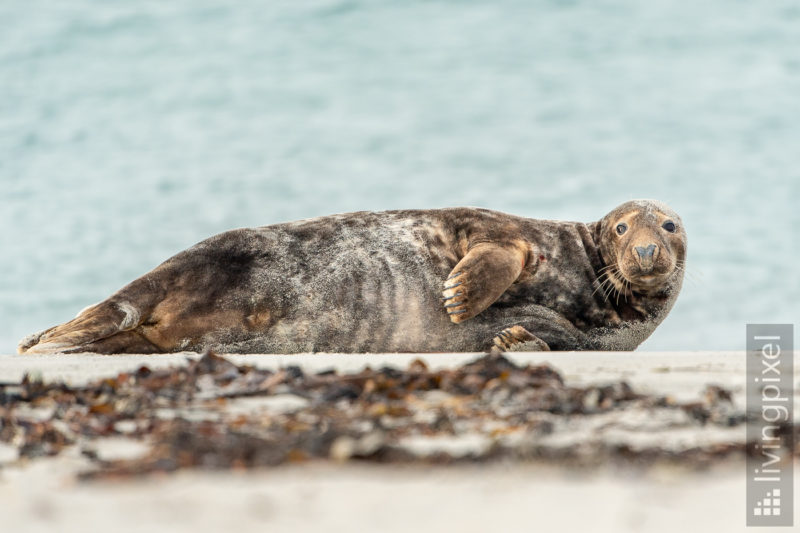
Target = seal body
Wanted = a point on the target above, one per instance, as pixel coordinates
(456, 279)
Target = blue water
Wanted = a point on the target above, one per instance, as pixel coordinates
(131, 130)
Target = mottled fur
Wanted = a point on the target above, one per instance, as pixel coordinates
(396, 281)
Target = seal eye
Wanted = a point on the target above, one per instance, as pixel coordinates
(669, 226)
(622, 228)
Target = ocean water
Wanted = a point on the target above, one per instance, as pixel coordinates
(131, 130)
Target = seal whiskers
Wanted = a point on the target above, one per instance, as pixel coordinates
(693, 277)
(612, 284)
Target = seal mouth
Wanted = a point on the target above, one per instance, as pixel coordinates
(627, 283)
(646, 282)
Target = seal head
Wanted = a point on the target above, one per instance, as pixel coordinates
(643, 245)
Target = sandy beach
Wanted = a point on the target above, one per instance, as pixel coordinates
(44, 493)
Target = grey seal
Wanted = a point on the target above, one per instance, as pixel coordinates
(453, 279)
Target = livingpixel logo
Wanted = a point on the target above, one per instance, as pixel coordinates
(770, 429)
(770, 505)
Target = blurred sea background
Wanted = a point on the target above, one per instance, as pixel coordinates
(131, 130)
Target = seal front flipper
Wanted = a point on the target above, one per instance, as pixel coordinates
(517, 338)
(478, 280)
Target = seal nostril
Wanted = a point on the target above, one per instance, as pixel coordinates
(646, 252)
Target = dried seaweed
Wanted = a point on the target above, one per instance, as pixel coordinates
(487, 410)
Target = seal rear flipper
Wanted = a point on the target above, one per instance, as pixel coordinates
(32, 340)
(478, 280)
(123, 342)
(93, 324)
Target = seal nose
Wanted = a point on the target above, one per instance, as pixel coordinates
(646, 255)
